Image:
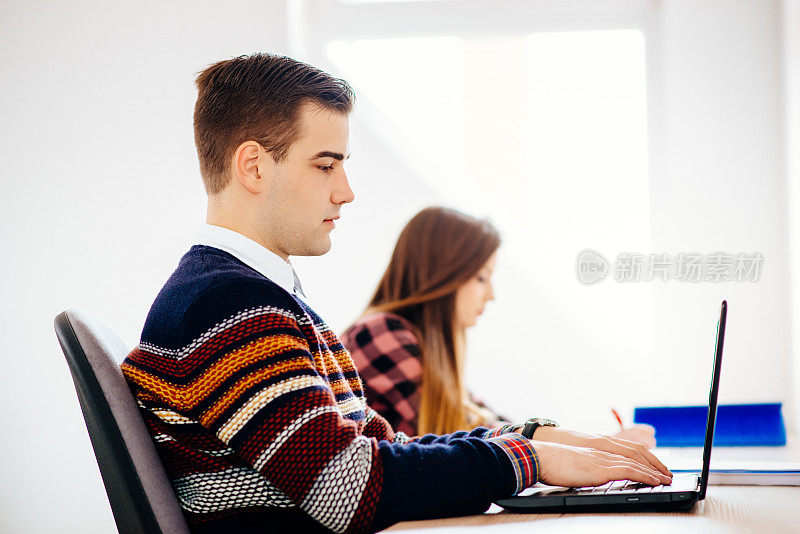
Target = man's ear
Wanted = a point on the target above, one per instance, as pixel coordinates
(253, 166)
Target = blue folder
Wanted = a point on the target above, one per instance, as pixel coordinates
(737, 425)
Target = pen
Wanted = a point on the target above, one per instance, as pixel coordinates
(618, 418)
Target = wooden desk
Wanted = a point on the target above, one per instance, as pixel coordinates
(726, 509)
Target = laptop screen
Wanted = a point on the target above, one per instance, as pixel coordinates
(712, 399)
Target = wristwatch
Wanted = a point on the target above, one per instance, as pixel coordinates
(535, 422)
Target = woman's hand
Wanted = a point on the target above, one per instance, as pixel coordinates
(644, 434)
(616, 446)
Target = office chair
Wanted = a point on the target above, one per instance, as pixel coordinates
(141, 497)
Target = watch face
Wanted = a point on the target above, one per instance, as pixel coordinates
(542, 422)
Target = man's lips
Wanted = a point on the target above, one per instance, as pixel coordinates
(330, 221)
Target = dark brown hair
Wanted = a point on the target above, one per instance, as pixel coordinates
(256, 98)
(438, 251)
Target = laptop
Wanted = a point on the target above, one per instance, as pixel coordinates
(624, 495)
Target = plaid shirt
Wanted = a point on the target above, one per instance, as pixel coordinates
(387, 354)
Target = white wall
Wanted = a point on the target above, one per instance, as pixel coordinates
(721, 186)
(100, 194)
(717, 183)
(791, 93)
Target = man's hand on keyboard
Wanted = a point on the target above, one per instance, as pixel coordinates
(567, 465)
(620, 447)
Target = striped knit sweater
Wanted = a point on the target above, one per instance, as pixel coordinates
(260, 418)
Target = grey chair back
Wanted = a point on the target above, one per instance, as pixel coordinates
(141, 497)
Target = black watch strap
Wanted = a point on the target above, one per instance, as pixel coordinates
(532, 424)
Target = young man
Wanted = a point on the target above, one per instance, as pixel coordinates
(255, 407)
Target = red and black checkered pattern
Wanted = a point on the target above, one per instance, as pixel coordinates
(387, 354)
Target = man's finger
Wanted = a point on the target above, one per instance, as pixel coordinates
(625, 462)
(627, 472)
(653, 459)
(620, 447)
(611, 459)
(639, 452)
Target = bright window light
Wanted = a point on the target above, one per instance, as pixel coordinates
(548, 133)
(586, 165)
(418, 85)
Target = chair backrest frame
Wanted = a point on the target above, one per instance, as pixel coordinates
(129, 503)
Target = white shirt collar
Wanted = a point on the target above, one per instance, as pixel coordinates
(252, 254)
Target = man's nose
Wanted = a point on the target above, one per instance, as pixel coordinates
(343, 193)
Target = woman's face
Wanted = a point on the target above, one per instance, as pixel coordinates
(471, 298)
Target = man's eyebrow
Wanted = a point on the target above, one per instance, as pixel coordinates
(328, 154)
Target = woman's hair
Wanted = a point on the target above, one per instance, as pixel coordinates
(438, 251)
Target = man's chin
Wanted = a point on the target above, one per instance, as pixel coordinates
(318, 249)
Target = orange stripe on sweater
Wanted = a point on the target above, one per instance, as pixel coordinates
(234, 394)
(188, 396)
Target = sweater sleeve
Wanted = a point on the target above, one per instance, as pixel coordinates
(455, 474)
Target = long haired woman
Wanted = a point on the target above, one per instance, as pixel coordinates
(409, 345)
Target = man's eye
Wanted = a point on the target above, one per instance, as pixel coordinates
(481, 278)
(326, 168)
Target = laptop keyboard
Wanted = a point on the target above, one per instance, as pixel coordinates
(620, 486)
(681, 482)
